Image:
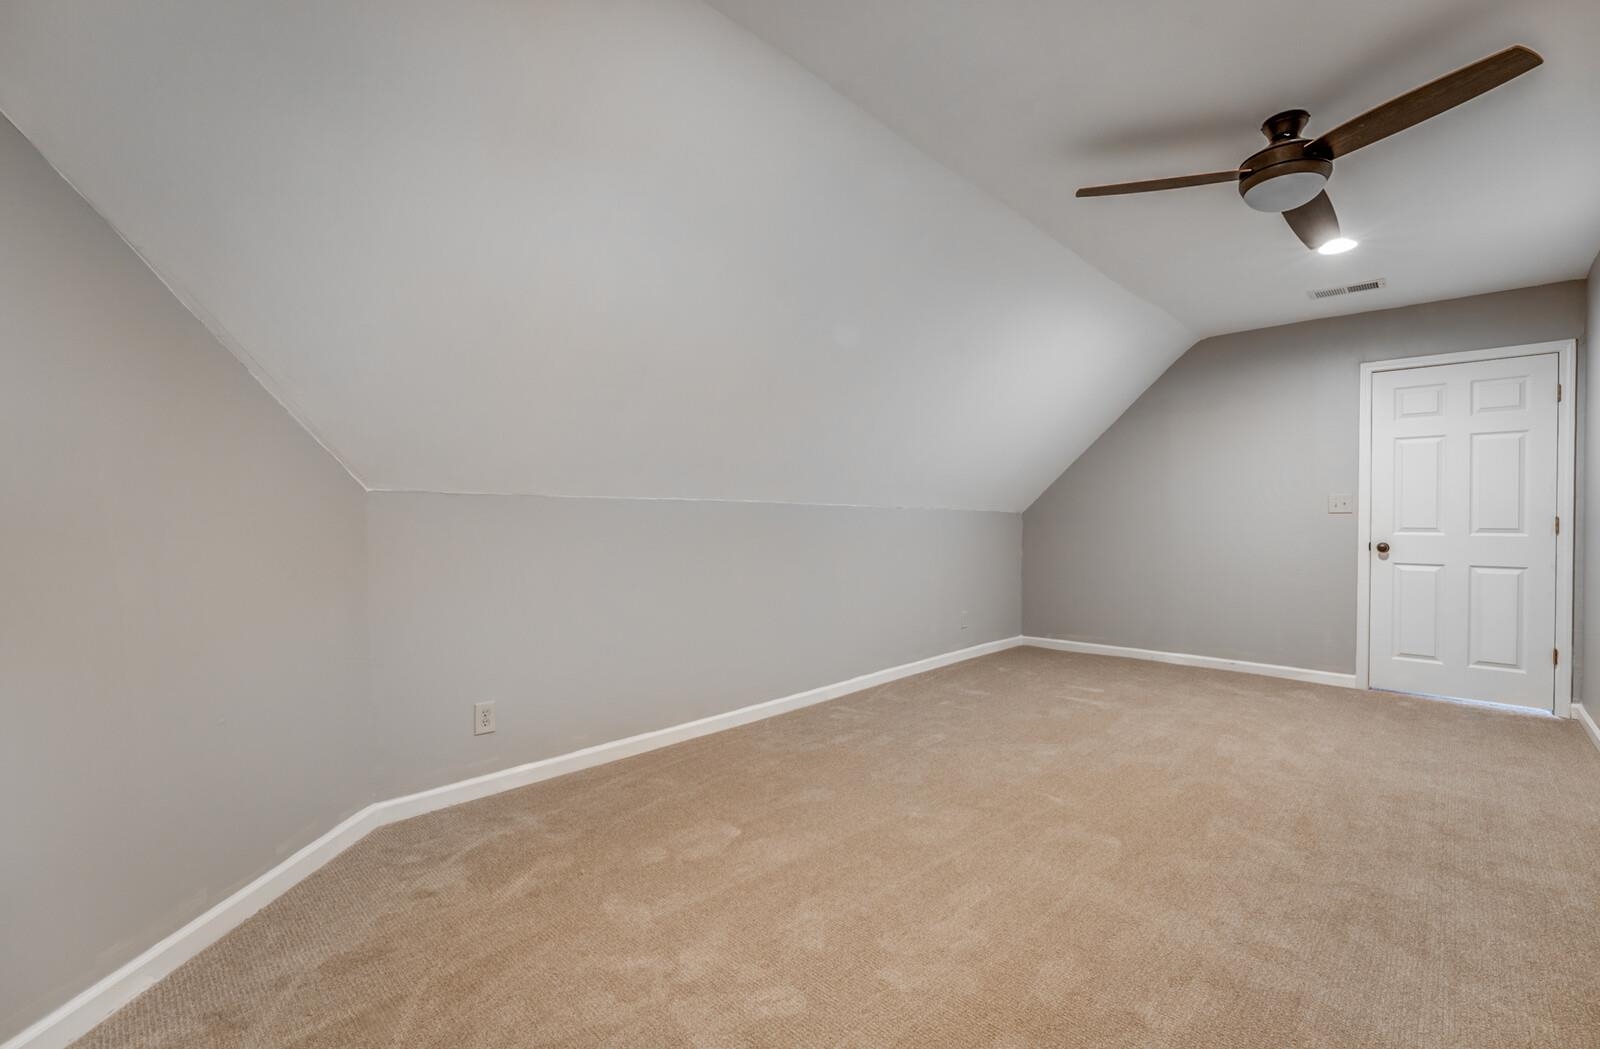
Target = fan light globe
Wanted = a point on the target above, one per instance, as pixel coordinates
(1286, 192)
(1337, 246)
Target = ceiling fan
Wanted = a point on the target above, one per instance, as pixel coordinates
(1290, 174)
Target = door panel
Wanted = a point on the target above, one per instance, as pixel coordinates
(1416, 611)
(1464, 493)
(1499, 483)
(1418, 471)
(1496, 617)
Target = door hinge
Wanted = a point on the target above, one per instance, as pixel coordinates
(1558, 393)
(1555, 656)
(1558, 524)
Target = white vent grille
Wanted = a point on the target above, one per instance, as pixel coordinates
(1348, 289)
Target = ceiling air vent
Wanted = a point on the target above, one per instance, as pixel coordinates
(1348, 289)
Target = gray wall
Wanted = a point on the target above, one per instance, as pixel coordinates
(589, 620)
(1198, 522)
(181, 642)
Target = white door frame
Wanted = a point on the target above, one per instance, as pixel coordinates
(1566, 458)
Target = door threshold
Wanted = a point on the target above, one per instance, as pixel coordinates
(1512, 708)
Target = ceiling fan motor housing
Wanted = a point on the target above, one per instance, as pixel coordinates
(1283, 176)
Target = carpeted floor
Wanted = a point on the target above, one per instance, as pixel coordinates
(1033, 849)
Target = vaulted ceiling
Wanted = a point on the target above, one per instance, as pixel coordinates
(579, 248)
(629, 248)
(1030, 100)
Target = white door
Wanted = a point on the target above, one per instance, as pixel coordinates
(1463, 559)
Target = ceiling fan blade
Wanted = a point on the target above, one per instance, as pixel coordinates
(1425, 102)
(1314, 223)
(1181, 182)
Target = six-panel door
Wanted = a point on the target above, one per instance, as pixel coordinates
(1464, 495)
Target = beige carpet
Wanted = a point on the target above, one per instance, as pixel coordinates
(1032, 849)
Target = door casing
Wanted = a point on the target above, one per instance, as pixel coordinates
(1566, 459)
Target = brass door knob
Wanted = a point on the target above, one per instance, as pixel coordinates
(1383, 548)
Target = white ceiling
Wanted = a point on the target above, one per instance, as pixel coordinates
(627, 249)
(1031, 99)
(619, 249)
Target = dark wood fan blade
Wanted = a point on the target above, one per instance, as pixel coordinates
(1314, 222)
(1425, 102)
(1150, 185)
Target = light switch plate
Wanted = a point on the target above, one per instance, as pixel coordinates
(1340, 504)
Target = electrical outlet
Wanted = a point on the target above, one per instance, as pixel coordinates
(966, 620)
(482, 718)
(1339, 504)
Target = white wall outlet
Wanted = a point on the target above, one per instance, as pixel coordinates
(482, 718)
(1340, 504)
(966, 620)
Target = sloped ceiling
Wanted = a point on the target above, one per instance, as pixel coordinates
(1030, 100)
(578, 248)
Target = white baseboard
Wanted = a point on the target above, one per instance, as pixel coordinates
(1580, 713)
(80, 1015)
(1318, 677)
(522, 775)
